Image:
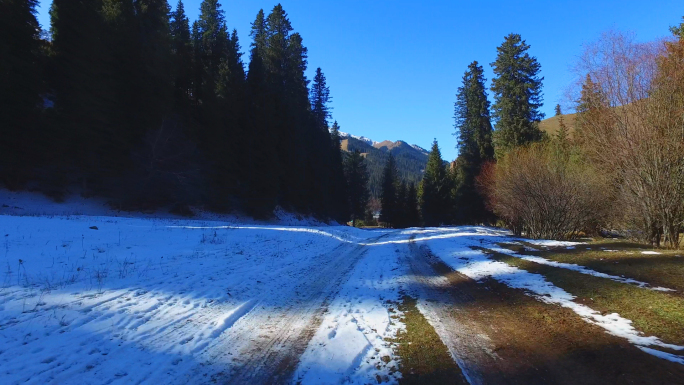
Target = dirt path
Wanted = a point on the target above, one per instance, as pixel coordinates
(285, 326)
(499, 335)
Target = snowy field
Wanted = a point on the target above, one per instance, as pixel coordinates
(109, 299)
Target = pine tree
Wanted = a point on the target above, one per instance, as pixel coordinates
(402, 206)
(517, 90)
(590, 106)
(412, 211)
(388, 196)
(319, 152)
(219, 87)
(356, 175)
(84, 83)
(339, 190)
(562, 134)
(262, 156)
(20, 86)
(474, 133)
(154, 76)
(182, 51)
(435, 190)
(259, 35)
(284, 60)
(320, 100)
(473, 123)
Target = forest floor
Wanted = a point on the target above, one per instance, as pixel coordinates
(91, 299)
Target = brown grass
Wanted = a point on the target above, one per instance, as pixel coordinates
(551, 125)
(424, 357)
(652, 312)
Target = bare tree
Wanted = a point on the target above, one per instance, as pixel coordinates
(630, 123)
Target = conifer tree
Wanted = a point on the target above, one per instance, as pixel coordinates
(339, 190)
(562, 134)
(388, 196)
(517, 90)
(83, 82)
(319, 164)
(263, 159)
(182, 51)
(219, 88)
(320, 100)
(356, 175)
(402, 206)
(285, 63)
(412, 211)
(474, 133)
(435, 190)
(20, 85)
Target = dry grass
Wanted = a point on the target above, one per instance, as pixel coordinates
(551, 125)
(424, 357)
(652, 312)
(614, 257)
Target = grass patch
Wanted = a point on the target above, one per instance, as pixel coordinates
(620, 258)
(652, 312)
(424, 357)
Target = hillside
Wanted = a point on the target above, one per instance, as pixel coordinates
(551, 125)
(411, 159)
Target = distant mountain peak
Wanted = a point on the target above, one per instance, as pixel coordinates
(361, 138)
(388, 144)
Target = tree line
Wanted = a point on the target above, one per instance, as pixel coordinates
(129, 100)
(450, 193)
(620, 166)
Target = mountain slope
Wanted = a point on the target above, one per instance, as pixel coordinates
(411, 159)
(552, 124)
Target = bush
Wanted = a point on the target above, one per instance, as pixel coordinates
(546, 190)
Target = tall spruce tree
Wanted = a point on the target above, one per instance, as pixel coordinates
(20, 86)
(517, 89)
(182, 52)
(474, 134)
(388, 196)
(356, 174)
(219, 90)
(435, 190)
(412, 210)
(319, 165)
(402, 205)
(84, 85)
(284, 59)
(261, 141)
(562, 134)
(339, 191)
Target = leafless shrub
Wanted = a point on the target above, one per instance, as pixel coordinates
(545, 191)
(631, 123)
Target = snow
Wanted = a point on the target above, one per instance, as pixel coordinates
(178, 301)
(578, 268)
(455, 247)
(154, 298)
(651, 253)
(358, 325)
(361, 138)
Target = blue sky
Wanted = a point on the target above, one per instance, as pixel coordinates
(393, 67)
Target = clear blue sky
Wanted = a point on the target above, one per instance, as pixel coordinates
(393, 67)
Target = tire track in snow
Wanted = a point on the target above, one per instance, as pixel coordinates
(285, 325)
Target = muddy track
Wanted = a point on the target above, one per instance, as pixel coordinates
(499, 335)
(284, 328)
(467, 342)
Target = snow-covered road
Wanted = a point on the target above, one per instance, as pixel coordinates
(90, 300)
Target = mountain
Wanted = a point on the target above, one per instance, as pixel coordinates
(411, 159)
